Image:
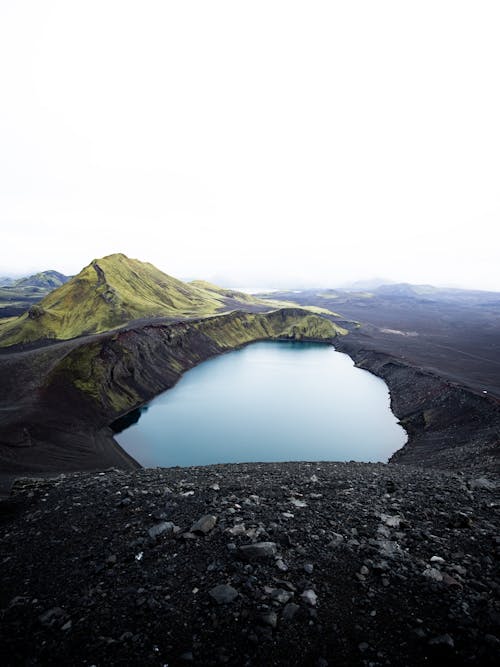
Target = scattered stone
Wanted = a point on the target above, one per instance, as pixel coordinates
(298, 503)
(135, 598)
(450, 581)
(492, 640)
(443, 640)
(460, 520)
(289, 611)
(223, 594)
(52, 616)
(336, 540)
(281, 565)
(389, 548)
(269, 618)
(160, 528)
(258, 551)
(205, 524)
(310, 597)
(391, 521)
(19, 601)
(433, 574)
(483, 483)
(281, 596)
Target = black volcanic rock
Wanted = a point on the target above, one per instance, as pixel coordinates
(412, 576)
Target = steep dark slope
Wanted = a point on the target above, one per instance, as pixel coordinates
(452, 333)
(449, 426)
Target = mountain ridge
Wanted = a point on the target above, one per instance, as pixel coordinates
(106, 293)
(114, 290)
(49, 279)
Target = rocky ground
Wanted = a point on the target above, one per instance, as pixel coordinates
(252, 564)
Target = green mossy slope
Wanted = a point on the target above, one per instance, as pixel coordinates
(116, 290)
(218, 292)
(110, 292)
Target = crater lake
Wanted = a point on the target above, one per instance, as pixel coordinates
(269, 401)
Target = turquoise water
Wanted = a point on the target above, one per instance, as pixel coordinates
(270, 401)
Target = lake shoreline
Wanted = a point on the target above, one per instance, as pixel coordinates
(67, 434)
(270, 401)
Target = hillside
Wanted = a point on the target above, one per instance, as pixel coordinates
(100, 370)
(114, 290)
(46, 279)
(106, 294)
(453, 332)
(16, 296)
(222, 292)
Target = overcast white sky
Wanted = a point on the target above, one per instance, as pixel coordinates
(253, 143)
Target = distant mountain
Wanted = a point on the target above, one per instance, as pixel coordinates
(432, 293)
(46, 279)
(363, 285)
(407, 290)
(17, 295)
(110, 292)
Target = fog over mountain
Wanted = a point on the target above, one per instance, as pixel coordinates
(267, 143)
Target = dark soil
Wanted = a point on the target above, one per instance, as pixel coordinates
(456, 335)
(369, 564)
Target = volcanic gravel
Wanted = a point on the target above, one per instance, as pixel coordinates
(252, 564)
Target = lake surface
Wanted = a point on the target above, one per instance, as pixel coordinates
(270, 401)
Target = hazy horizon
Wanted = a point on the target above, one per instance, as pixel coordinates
(267, 145)
(361, 284)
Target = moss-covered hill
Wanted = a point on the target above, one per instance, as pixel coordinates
(16, 296)
(45, 279)
(218, 292)
(110, 292)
